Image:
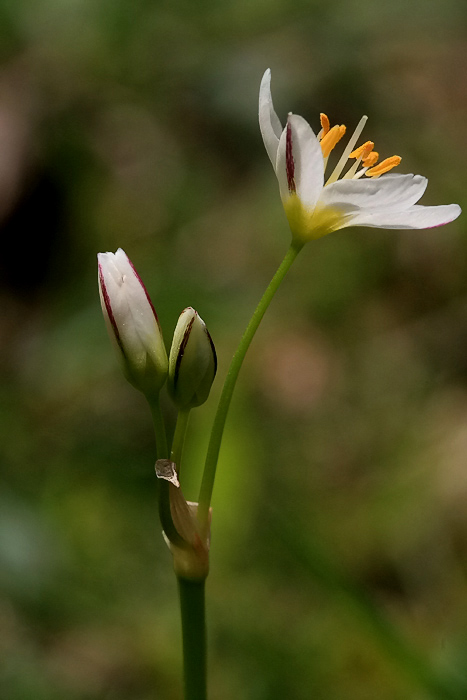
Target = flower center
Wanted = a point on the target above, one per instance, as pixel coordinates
(364, 155)
(307, 224)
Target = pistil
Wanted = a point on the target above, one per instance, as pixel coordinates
(347, 151)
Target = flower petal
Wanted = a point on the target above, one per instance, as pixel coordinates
(415, 217)
(280, 166)
(308, 162)
(391, 192)
(269, 122)
(133, 312)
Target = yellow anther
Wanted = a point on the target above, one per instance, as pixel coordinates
(384, 166)
(333, 136)
(362, 151)
(324, 124)
(370, 159)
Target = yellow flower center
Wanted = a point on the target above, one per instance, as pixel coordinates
(306, 225)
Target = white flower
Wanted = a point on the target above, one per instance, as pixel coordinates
(315, 207)
(132, 322)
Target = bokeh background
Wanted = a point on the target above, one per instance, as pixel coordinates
(134, 124)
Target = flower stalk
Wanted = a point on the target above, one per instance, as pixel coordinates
(220, 418)
(178, 441)
(162, 449)
(193, 616)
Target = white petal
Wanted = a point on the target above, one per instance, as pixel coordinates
(415, 217)
(132, 309)
(280, 167)
(391, 192)
(308, 162)
(269, 122)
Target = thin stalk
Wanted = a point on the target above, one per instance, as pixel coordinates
(162, 450)
(212, 456)
(192, 608)
(179, 438)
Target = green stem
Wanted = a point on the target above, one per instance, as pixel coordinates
(162, 450)
(210, 466)
(179, 438)
(192, 609)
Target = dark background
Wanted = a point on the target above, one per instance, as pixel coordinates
(134, 124)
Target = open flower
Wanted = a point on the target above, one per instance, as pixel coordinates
(315, 207)
(132, 322)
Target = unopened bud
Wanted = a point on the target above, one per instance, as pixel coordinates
(132, 323)
(192, 361)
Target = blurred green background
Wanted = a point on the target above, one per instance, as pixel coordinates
(134, 124)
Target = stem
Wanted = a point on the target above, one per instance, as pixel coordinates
(192, 609)
(212, 456)
(179, 438)
(162, 451)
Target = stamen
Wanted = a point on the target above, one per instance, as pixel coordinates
(361, 154)
(359, 174)
(289, 161)
(384, 166)
(348, 149)
(371, 159)
(362, 151)
(333, 137)
(351, 171)
(325, 126)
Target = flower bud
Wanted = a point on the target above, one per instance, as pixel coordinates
(192, 361)
(132, 322)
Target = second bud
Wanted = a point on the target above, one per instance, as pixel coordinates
(192, 361)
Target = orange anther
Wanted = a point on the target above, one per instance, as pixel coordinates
(384, 166)
(333, 136)
(324, 121)
(371, 159)
(362, 151)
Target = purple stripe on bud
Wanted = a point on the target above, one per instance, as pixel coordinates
(144, 288)
(181, 350)
(289, 161)
(108, 308)
(214, 354)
